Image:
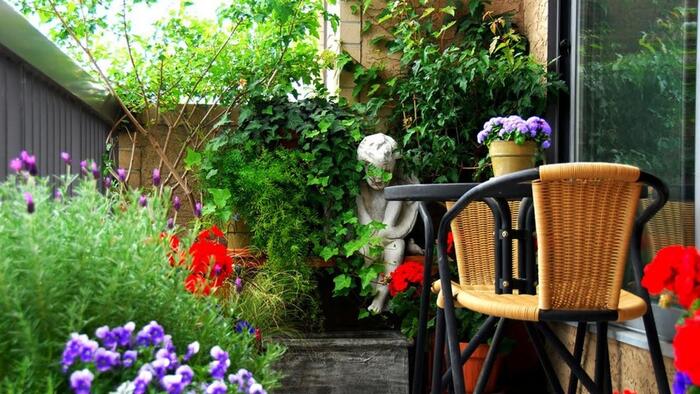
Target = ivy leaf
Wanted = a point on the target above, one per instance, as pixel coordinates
(369, 274)
(364, 313)
(342, 283)
(427, 12)
(327, 253)
(450, 10)
(220, 197)
(193, 158)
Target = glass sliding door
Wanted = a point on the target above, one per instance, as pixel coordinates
(633, 98)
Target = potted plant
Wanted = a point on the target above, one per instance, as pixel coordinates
(513, 142)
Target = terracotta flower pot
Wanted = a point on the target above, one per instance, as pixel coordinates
(472, 368)
(507, 156)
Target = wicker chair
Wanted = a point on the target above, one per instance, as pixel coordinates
(586, 219)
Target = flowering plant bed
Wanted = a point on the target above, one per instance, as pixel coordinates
(674, 273)
(148, 362)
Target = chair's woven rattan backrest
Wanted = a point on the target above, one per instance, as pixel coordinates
(584, 214)
(674, 224)
(474, 242)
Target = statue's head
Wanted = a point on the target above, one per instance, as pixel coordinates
(378, 151)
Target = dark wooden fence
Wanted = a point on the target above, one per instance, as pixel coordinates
(48, 105)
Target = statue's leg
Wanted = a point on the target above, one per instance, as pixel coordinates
(393, 255)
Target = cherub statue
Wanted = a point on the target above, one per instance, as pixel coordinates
(379, 153)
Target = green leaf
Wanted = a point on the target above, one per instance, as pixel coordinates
(450, 10)
(427, 12)
(327, 253)
(342, 284)
(193, 159)
(220, 197)
(364, 313)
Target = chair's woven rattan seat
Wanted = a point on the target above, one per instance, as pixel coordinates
(525, 306)
(436, 287)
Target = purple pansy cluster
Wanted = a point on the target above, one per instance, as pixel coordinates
(515, 128)
(151, 357)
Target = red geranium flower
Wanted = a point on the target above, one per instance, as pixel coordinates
(408, 273)
(450, 242)
(211, 263)
(675, 269)
(174, 250)
(686, 346)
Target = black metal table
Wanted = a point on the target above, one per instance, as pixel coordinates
(504, 282)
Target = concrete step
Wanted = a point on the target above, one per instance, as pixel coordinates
(364, 362)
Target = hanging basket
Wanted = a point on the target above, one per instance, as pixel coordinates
(507, 156)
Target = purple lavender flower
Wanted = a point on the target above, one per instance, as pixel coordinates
(198, 209)
(216, 387)
(143, 201)
(129, 358)
(65, 156)
(23, 155)
(186, 372)
(57, 195)
(173, 384)
(106, 336)
(156, 177)
(107, 182)
(142, 381)
(95, 170)
(170, 223)
(30, 202)
(238, 285)
(106, 359)
(16, 165)
(192, 349)
(30, 165)
(243, 326)
(681, 382)
(80, 381)
(83, 166)
(176, 203)
(121, 175)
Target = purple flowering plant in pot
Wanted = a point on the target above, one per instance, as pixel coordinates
(514, 142)
(120, 360)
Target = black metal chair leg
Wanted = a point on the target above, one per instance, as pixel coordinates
(480, 337)
(578, 354)
(607, 387)
(559, 347)
(657, 358)
(417, 385)
(600, 354)
(439, 351)
(490, 358)
(554, 384)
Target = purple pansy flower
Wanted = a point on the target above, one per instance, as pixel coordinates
(80, 381)
(129, 358)
(256, 388)
(142, 381)
(105, 335)
(106, 359)
(186, 372)
(217, 387)
(192, 349)
(173, 384)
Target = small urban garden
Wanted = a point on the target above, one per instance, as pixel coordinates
(266, 202)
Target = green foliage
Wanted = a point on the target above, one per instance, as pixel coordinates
(90, 260)
(445, 92)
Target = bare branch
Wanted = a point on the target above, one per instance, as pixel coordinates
(133, 62)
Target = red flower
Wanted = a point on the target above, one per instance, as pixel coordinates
(174, 250)
(626, 391)
(409, 272)
(686, 346)
(211, 264)
(258, 335)
(210, 234)
(675, 269)
(450, 242)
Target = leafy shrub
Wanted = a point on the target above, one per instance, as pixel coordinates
(455, 75)
(87, 260)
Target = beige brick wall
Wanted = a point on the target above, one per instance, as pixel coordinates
(630, 366)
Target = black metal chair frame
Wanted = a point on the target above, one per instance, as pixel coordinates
(446, 320)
